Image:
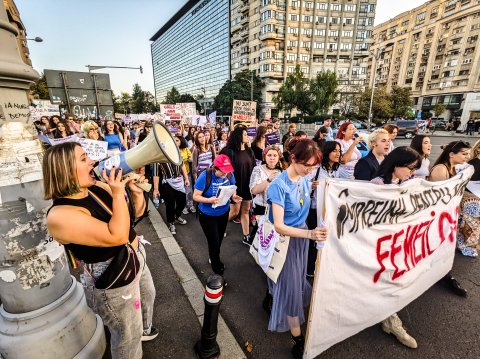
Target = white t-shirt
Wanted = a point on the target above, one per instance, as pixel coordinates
(424, 170)
(348, 168)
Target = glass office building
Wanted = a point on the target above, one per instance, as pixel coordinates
(192, 50)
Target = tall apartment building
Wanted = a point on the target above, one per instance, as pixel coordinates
(271, 36)
(191, 51)
(433, 50)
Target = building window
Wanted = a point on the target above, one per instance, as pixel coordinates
(420, 17)
(321, 19)
(319, 45)
(307, 18)
(294, 17)
(336, 7)
(322, 6)
(320, 32)
(350, 7)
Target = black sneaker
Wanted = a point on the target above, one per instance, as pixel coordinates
(152, 335)
(298, 346)
(267, 303)
(246, 240)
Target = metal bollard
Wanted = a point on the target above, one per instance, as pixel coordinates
(207, 346)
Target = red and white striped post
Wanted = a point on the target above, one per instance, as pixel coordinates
(207, 346)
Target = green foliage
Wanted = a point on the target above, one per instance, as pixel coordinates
(381, 108)
(401, 98)
(294, 93)
(172, 97)
(189, 98)
(139, 102)
(323, 90)
(238, 89)
(312, 97)
(438, 109)
(39, 89)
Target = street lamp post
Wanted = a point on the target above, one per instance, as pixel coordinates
(98, 67)
(251, 85)
(376, 58)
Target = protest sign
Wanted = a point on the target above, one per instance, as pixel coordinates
(244, 111)
(386, 246)
(170, 111)
(96, 150)
(186, 109)
(252, 131)
(57, 141)
(272, 138)
(198, 120)
(41, 108)
(173, 130)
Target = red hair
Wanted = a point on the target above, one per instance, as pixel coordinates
(303, 149)
(343, 127)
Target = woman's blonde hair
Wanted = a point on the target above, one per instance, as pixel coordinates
(475, 150)
(373, 137)
(87, 126)
(60, 171)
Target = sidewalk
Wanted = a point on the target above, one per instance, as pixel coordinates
(179, 303)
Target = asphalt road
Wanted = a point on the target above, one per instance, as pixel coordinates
(444, 325)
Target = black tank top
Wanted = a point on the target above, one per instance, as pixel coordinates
(90, 254)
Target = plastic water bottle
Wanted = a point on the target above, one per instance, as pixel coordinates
(156, 202)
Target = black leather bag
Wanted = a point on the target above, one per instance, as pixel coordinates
(121, 271)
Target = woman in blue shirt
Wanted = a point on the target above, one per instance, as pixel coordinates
(115, 140)
(289, 199)
(213, 220)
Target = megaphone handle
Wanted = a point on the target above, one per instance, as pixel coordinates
(145, 186)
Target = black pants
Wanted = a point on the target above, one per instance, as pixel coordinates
(174, 202)
(214, 229)
(312, 249)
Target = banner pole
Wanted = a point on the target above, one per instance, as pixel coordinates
(317, 268)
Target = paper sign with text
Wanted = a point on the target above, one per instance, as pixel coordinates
(272, 138)
(244, 111)
(252, 131)
(387, 245)
(96, 150)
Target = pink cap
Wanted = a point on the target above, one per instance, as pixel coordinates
(222, 162)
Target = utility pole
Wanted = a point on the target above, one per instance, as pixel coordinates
(43, 313)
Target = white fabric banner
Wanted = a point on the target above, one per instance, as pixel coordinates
(387, 245)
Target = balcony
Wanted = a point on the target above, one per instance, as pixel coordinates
(271, 35)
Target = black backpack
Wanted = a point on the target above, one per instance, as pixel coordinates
(208, 182)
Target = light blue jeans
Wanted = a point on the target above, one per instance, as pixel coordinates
(126, 311)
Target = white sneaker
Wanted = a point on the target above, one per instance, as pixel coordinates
(180, 220)
(192, 209)
(172, 228)
(185, 211)
(393, 325)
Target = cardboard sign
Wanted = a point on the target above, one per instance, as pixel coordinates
(43, 108)
(387, 245)
(96, 150)
(245, 111)
(252, 131)
(272, 138)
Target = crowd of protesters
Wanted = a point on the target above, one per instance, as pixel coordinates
(274, 179)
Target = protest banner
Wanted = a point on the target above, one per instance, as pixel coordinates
(96, 150)
(57, 141)
(41, 108)
(245, 111)
(272, 138)
(386, 246)
(187, 109)
(170, 111)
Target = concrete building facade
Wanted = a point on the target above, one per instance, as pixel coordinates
(433, 50)
(271, 37)
(192, 50)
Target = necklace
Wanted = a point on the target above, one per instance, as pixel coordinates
(300, 193)
(269, 168)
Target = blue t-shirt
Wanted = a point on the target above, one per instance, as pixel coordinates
(287, 194)
(113, 141)
(212, 192)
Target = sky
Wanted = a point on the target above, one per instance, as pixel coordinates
(115, 33)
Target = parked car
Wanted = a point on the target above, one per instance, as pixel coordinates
(406, 128)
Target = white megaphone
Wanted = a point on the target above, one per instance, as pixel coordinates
(158, 146)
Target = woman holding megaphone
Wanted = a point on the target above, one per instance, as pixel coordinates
(93, 221)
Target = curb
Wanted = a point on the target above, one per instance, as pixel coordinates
(194, 289)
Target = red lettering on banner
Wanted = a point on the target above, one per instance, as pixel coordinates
(412, 245)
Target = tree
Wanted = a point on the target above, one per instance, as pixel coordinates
(347, 102)
(150, 105)
(238, 89)
(121, 104)
(185, 98)
(401, 98)
(137, 103)
(294, 93)
(39, 89)
(172, 96)
(382, 104)
(438, 109)
(323, 92)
